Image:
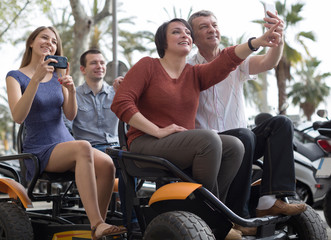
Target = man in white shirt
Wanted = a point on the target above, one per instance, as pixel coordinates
(221, 108)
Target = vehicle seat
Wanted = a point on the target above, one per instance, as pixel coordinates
(66, 197)
(164, 172)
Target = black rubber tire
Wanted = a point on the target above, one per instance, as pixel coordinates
(307, 226)
(178, 225)
(327, 208)
(14, 223)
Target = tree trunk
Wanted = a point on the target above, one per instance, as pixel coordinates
(82, 28)
(282, 74)
(308, 109)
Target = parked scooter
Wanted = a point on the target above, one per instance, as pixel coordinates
(312, 159)
(312, 146)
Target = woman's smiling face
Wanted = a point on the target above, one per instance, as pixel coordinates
(179, 38)
(45, 43)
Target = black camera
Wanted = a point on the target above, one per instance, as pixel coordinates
(62, 62)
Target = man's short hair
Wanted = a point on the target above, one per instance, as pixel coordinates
(90, 51)
(202, 13)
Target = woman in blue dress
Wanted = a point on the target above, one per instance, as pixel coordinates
(37, 94)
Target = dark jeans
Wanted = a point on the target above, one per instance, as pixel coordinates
(272, 139)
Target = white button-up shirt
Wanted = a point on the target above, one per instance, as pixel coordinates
(222, 107)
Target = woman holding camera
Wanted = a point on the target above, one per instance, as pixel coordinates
(37, 93)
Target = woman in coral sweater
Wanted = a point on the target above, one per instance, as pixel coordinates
(159, 98)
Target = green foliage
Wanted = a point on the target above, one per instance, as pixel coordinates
(281, 8)
(130, 42)
(177, 13)
(226, 41)
(292, 17)
(308, 35)
(138, 41)
(253, 90)
(17, 14)
(5, 115)
(311, 89)
(62, 20)
(292, 55)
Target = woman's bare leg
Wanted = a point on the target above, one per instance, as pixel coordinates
(105, 175)
(78, 156)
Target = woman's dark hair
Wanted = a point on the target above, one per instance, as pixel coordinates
(161, 35)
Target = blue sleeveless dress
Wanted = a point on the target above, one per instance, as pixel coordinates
(44, 124)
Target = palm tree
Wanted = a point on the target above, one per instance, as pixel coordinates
(178, 13)
(101, 32)
(138, 41)
(129, 42)
(61, 19)
(311, 89)
(290, 56)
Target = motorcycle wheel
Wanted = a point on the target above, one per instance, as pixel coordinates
(303, 193)
(306, 226)
(327, 207)
(14, 223)
(178, 225)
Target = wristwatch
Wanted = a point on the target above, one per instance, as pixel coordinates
(251, 46)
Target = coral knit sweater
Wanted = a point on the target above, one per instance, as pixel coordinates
(148, 89)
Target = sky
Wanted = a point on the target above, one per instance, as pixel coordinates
(234, 18)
